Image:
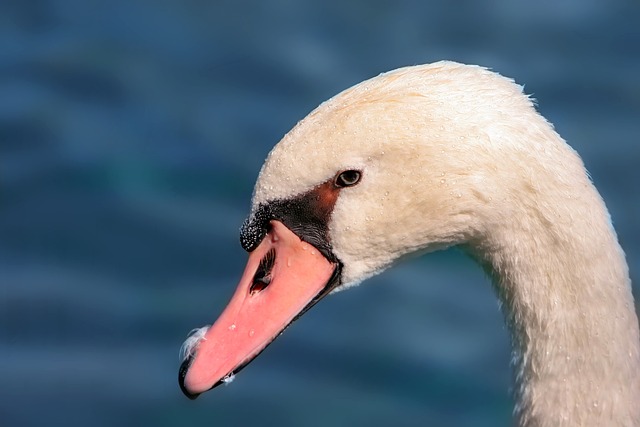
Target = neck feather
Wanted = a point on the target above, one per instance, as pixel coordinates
(566, 295)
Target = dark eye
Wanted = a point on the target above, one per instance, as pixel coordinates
(348, 178)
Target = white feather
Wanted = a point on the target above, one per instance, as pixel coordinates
(190, 345)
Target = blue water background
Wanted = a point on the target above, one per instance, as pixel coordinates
(131, 133)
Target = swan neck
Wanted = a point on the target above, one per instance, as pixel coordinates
(566, 296)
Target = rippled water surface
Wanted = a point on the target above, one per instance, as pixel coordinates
(131, 133)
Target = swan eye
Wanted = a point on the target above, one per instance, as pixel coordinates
(348, 178)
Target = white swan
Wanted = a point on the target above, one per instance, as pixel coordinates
(423, 158)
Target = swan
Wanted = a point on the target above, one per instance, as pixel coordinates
(423, 158)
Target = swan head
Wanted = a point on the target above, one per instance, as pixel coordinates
(434, 149)
(411, 161)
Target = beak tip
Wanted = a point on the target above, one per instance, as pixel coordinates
(182, 373)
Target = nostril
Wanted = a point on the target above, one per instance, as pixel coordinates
(262, 278)
(259, 285)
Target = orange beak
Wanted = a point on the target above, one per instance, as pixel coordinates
(284, 277)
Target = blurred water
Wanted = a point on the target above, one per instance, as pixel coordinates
(131, 133)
